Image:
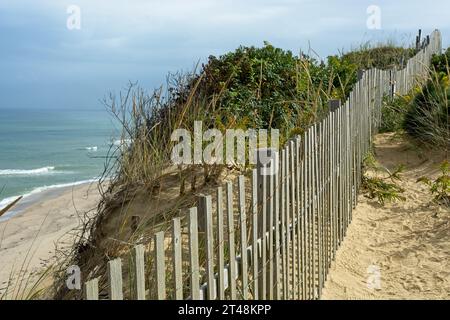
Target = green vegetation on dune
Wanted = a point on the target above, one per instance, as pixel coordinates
(424, 112)
(393, 113)
(440, 63)
(269, 87)
(265, 87)
(382, 57)
(440, 187)
(427, 118)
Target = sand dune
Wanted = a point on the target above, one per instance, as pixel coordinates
(408, 243)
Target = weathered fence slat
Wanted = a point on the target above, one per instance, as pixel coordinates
(115, 279)
(288, 222)
(293, 219)
(205, 208)
(231, 241)
(271, 236)
(277, 231)
(298, 217)
(160, 260)
(263, 198)
(243, 228)
(177, 258)
(319, 207)
(91, 289)
(303, 218)
(283, 224)
(220, 245)
(139, 272)
(307, 208)
(193, 254)
(314, 209)
(255, 237)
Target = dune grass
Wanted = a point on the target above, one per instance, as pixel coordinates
(24, 283)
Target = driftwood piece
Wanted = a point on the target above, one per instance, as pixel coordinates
(9, 206)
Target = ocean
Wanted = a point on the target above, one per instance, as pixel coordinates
(43, 150)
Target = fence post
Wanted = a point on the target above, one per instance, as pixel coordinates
(334, 104)
(265, 166)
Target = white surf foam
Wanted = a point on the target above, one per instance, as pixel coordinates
(31, 172)
(57, 186)
(121, 142)
(94, 149)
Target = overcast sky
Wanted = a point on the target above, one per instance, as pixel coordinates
(44, 64)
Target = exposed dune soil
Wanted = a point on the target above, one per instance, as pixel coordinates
(400, 250)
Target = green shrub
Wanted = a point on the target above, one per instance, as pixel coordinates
(440, 187)
(393, 114)
(439, 63)
(383, 189)
(266, 87)
(345, 75)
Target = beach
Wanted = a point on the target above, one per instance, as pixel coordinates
(30, 239)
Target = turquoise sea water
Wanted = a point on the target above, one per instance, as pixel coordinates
(44, 149)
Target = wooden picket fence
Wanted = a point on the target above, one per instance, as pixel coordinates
(416, 68)
(283, 237)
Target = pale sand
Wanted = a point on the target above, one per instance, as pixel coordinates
(29, 240)
(408, 241)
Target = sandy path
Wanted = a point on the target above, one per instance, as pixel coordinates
(29, 240)
(406, 243)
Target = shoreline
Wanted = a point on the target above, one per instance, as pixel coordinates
(37, 195)
(46, 226)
